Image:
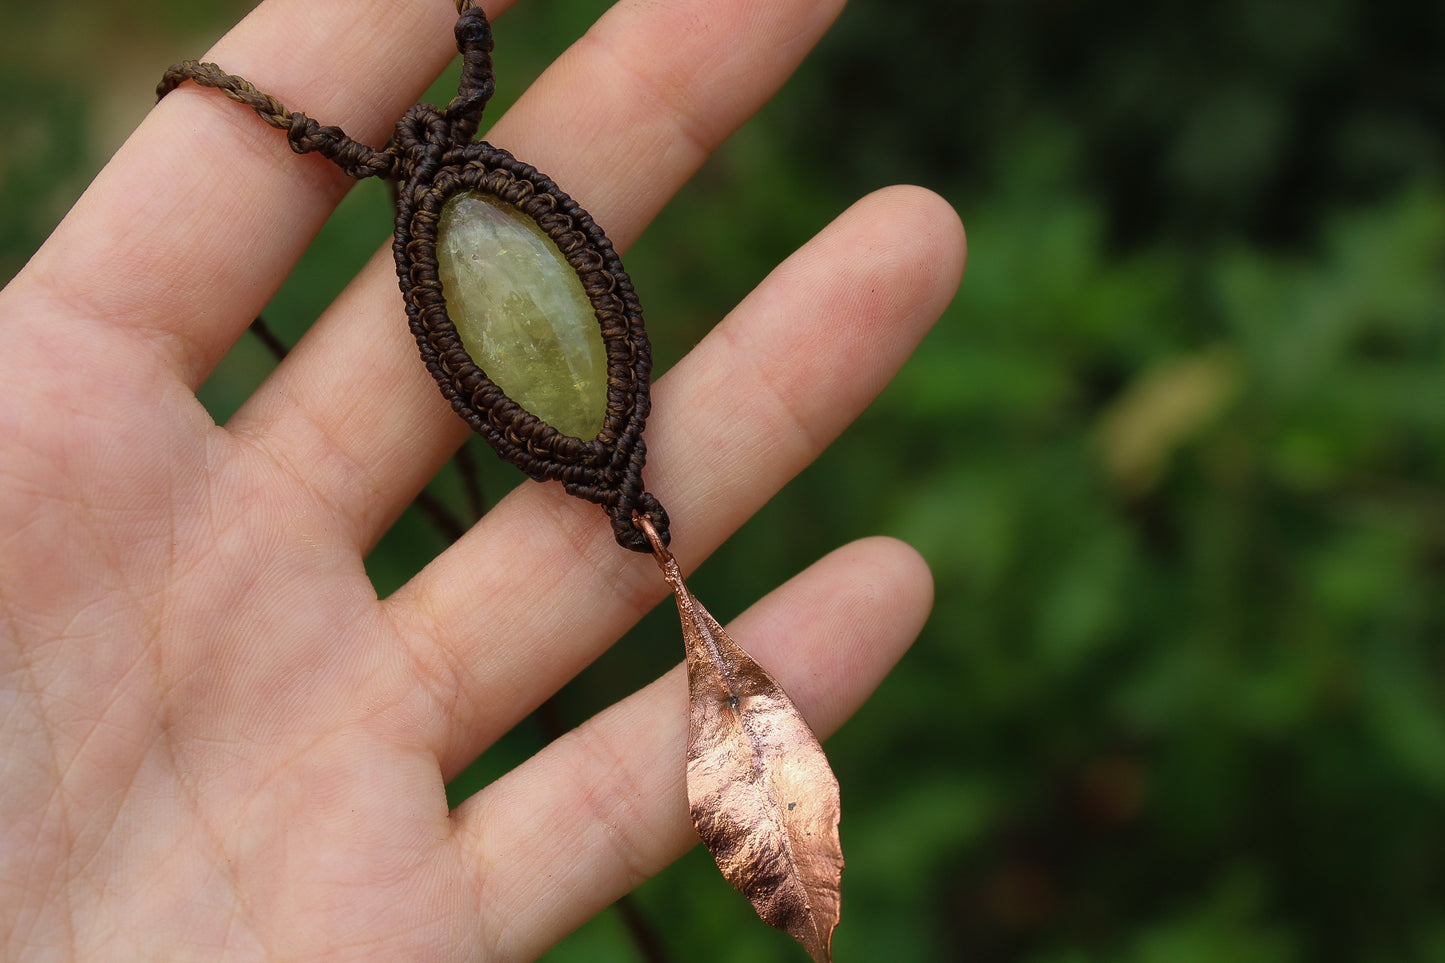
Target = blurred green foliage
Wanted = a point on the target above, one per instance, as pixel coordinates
(1176, 455)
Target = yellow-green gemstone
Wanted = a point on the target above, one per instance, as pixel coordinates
(522, 313)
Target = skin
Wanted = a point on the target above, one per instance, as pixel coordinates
(219, 743)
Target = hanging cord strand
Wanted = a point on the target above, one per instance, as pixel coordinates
(474, 41)
(304, 134)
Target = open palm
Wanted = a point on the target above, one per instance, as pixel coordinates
(218, 742)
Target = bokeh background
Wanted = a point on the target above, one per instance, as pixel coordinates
(1175, 454)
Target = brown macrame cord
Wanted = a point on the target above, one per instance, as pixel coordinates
(433, 156)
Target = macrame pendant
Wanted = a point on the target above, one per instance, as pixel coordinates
(529, 324)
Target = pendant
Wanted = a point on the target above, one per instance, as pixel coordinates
(525, 318)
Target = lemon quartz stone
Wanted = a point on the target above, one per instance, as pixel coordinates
(521, 312)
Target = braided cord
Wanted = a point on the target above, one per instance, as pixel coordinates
(303, 134)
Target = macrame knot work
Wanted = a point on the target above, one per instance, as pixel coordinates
(433, 158)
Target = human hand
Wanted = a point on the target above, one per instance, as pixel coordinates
(218, 742)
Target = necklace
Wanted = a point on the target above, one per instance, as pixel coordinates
(531, 328)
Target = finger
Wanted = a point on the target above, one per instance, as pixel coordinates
(605, 807)
(187, 233)
(641, 101)
(496, 629)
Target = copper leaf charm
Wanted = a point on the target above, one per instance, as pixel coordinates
(763, 797)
